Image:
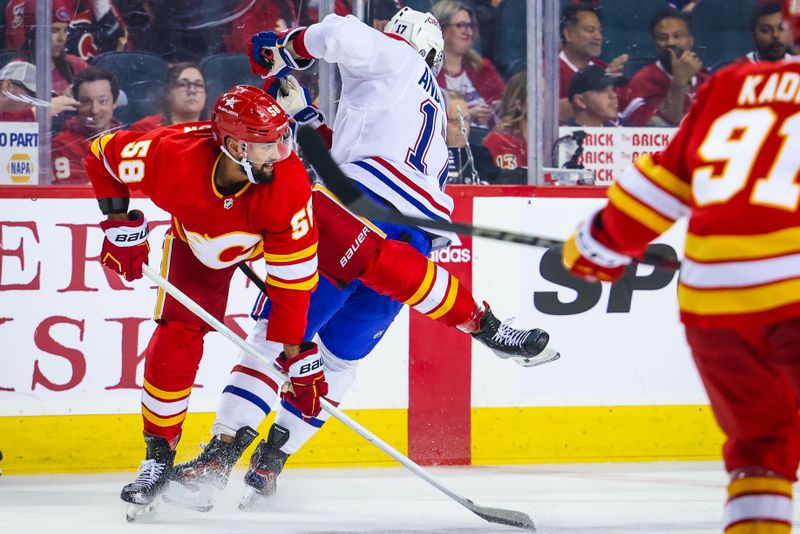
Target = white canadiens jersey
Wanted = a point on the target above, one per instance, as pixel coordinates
(389, 133)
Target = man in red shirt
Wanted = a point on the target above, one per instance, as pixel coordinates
(581, 46)
(18, 94)
(97, 91)
(732, 171)
(661, 93)
(769, 34)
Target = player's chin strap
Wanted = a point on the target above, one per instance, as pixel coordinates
(244, 163)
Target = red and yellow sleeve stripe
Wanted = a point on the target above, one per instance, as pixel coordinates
(296, 270)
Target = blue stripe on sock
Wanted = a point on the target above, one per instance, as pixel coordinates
(246, 395)
(313, 421)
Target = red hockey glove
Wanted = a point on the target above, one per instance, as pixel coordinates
(269, 57)
(585, 256)
(307, 377)
(125, 247)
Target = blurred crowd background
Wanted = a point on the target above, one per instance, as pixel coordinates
(142, 64)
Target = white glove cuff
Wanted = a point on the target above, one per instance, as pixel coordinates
(128, 236)
(591, 249)
(299, 63)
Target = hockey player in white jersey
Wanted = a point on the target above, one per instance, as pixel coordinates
(389, 137)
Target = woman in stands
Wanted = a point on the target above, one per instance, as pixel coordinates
(508, 142)
(184, 99)
(465, 70)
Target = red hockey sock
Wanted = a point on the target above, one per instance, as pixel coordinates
(171, 362)
(399, 271)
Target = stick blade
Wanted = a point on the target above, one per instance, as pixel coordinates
(502, 516)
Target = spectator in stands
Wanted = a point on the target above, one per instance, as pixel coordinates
(508, 141)
(769, 34)
(95, 26)
(581, 45)
(464, 69)
(381, 12)
(97, 91)
(593, 98)
(65, 66)
(18, 92)
(184, 99)
(661, 93)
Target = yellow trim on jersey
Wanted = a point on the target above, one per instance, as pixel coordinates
(328, 193)
(307, 285)
(179, 229)
(165, 395)
(742, 300)
(98, 146)
(637, 210)
(760, 485)
(743, 247)
(423, 288)
(294, 256)
(664, 178)
(448, 302)
(214, 185)
(759, 526)
(162, 421)
(161, 294)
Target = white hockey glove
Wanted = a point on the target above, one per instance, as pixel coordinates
(268, 54)
(296, 102)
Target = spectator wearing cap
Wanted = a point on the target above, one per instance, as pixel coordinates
(184, 99)
(661, 93)
(593, 98)
(97, 91)
(18, 94)
(95, 26)
(769, 34)
(581, 45)
(464, 69)
(65, 66)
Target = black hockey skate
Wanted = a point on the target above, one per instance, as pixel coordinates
(526, 347)
(198, 478)
(153, 476)
(265, 466)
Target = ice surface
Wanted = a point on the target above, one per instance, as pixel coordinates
(683, 498)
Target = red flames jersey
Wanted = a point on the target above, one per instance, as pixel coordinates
(175, 168)
(732, 168)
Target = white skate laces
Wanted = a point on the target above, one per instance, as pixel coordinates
(507, 335)
(149, 472)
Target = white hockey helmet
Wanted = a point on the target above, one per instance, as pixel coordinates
(422, 30)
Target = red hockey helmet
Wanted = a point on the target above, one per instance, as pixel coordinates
(248, 114)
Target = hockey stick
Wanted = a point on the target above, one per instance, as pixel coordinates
(492, 515)
(249, 273)
(355, 200)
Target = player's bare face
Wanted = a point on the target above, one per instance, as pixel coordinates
(459, 33)
(770, 37)
(672, 34)
(264, 156)
(585, 38)
(59, 37)
(96, 104)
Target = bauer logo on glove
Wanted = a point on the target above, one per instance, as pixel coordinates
(307, 379)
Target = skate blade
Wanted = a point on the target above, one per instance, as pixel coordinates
(252, 500)
(141, 513)
(546, 356)
(199, 498)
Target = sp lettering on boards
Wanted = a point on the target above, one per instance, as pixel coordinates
(589, 293)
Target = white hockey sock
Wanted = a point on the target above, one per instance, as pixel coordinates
(251, 393)
(340, 375)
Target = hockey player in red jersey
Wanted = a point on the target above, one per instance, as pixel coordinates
(732, 169)
(235, 191)
(352, 315)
